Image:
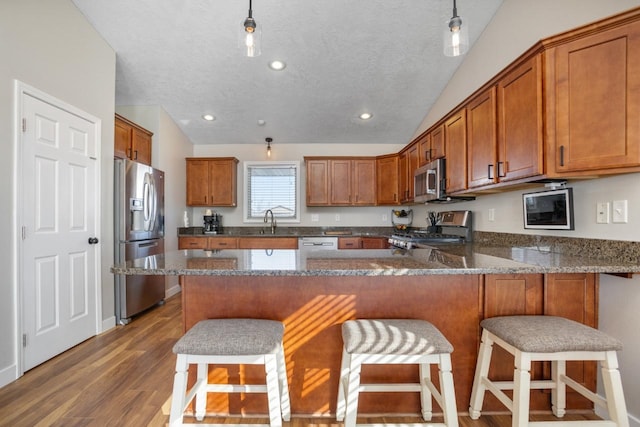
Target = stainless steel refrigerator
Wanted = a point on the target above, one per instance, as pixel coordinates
(139, 232)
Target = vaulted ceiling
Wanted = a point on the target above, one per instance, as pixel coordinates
(343, 58)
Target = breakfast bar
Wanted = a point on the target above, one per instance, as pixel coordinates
(313, 292)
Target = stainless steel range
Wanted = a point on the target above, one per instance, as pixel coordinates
(451, 227)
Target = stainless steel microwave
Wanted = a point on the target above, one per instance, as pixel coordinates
(429, 182)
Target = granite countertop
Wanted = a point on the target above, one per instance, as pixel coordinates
(285, 231)
(473, 258)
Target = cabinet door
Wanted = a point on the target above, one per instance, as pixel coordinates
(403, 183)
(197, 182)
(412, 165)
(122, 140)
(456, 148)
(222, 243)
(317, 182)
(340, 182)
(387, 180)
(141, 146)
(520, 121)
(481, 143)
(437, 142)
(597, 101)
(192, 243)
(374, 242)
(364, 182)
(349, 243)
(267, 243)
(424, 149)
(222, 182)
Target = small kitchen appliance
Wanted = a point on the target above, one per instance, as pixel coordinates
(213, 223)
(452, 227)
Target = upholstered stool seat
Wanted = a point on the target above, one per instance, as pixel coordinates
(554, 339)
(396, 341)
(230, 341)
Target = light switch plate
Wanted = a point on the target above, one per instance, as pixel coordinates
(602, 213)
(620, 211)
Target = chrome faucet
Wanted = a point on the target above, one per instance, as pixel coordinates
(273, 220)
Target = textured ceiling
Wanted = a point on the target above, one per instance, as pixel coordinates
(343, 57)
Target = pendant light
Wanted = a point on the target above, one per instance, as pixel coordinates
(250, 35)
(456, 36)
(268, 146)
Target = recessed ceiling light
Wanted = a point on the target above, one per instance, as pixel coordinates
(277, 65)
(365, 116)
(261, 122)
(209, 117)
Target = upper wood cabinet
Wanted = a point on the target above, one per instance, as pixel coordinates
(482, 139)
(211, 181)
(341, 181)
(593, 100)
(456, 149)
(407, 165)
(131, 141)
(387, 180)
(431, 145)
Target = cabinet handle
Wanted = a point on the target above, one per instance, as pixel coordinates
(562, 155)
(502, 167)
(129, 152)
(490, 171)
(395, 197)
(135, 157)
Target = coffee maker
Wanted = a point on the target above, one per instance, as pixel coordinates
(213, 224)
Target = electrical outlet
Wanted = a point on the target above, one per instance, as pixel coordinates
(315, 217)
(384, 217)
(337, 217)
(492, 215)
(602, 213)
(620, 211)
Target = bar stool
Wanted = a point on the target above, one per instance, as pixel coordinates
(231, 341)
(396, 341)
(554, 339)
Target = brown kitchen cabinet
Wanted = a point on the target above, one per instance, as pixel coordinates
(341, 181)
(431, 145)
(407, 165)
(374, 242)
(211, 181)
(456, 148)
(482, 140)
(207, 242)
(352, 242)
(593, 100)
(387, 180)
(267, 243)
(131, 141)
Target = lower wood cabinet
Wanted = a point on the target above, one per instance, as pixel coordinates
(267, 243)
(207, 242)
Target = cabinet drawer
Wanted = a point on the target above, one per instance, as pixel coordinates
(349, 243)
(268, 243)
(222, 243)
(192, 243)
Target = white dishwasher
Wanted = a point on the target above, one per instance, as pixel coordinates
(318, 242)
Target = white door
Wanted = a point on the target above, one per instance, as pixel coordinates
(58, 260)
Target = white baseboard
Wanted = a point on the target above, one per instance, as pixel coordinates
(8, 375)
(604, 414)
(172, 291)
(107, 324)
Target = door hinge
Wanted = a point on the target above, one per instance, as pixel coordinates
(24, 340)
(24, 125)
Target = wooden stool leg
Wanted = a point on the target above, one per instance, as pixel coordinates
(426, 399)
(273, 390)
(521, 389)
(353, 391)
(201, 396)
(285, 403)
(559, 393)
(447, 391)
(341, 404)
(613, 390)
(179, 391)
(482, 371)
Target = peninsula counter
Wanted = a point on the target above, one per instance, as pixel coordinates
(314, 292)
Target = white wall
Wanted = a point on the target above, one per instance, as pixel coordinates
(517, 25)
(50, 46)
(169, 148)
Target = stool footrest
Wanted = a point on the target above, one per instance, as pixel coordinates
(236, 388)
(392, 387)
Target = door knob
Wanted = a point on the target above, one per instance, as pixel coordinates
(93, 240)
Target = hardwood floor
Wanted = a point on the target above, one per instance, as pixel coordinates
(125, 377)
